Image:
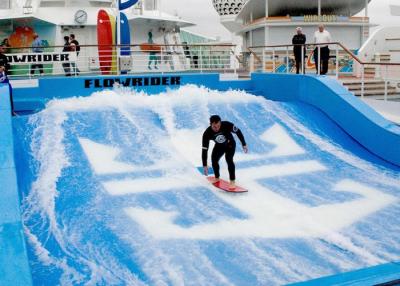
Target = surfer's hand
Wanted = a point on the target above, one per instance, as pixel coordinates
(245, 149)
(205, 170)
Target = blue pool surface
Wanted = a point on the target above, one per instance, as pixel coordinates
(111, 194)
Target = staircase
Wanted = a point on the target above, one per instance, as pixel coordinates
(373, 88)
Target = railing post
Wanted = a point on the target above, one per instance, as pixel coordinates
(264, 66)
(303, 71)
(337, 62)
(201, 59)
(161, 60)
(386, 90)
(362, 81)
(235, 61)
(273, 60)
(251, 63)
(118, 56)
(319, 59)
(386, 82)
(287, 59)
(378, 69)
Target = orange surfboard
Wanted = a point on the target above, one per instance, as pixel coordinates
(105, 41)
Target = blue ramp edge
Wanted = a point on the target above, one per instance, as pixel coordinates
(380, 274)
(14, 265)
(378, 135)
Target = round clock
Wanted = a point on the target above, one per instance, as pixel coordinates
(81, 17)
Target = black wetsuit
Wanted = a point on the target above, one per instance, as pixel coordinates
(224, 144)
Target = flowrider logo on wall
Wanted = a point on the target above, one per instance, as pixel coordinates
(41, 58)
(133, 81)
(266, 214)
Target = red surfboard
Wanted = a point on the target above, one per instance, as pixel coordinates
(105, 41)
(224, 185)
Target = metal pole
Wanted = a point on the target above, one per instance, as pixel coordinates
(362, 80)
(302, 59)
(201, 59)
(235, 61)
(263, 59)
(287, 59)
(161, 61)
(319, 8)
(386, 83)
(319, 59)
(273, 60)
(386, 90)
(209, 58)
(337, 62)
(118, 37)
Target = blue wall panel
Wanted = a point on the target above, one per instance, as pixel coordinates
(361, 122)
(14, 268)
(368, 276)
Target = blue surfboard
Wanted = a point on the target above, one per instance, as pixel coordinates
(125, 37)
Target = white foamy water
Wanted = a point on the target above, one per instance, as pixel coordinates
(116, 198)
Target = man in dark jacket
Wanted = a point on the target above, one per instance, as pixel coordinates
(299, 51)
(221, 133)
(67, 48)
(4, 59)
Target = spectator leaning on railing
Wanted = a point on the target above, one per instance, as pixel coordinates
(37, 47)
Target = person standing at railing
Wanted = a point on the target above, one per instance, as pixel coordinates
(66, 49)
(74, 69)
(37, 47)
(4, 59)
(152, 52)
(6, 44)
(322, 36)
(72, 40)
(299, 50)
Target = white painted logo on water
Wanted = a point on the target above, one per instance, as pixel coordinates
(268, 213)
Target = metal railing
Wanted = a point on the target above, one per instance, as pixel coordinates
(150, 58)
(121, 59)
(341, 63)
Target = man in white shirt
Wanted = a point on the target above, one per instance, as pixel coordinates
(322, 36)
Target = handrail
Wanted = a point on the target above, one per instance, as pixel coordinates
(126, 45)
(380, 68)
(254, 54)
(350, 53)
